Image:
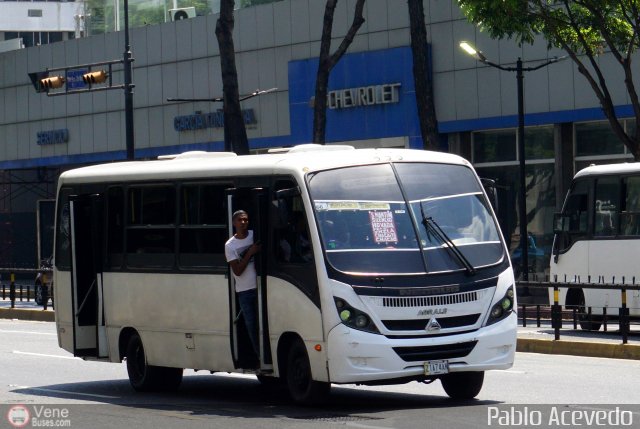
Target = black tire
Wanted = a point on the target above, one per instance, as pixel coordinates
(146, 378)
(37, 293)
(462, 385)
(302, 388)
(578, 302)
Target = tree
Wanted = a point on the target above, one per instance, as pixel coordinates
(327, 62)
(584, 29)
(235, 132)
(421, 76)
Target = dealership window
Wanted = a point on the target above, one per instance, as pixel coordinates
(495, 157)
(596, 143)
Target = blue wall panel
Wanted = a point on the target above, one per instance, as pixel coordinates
(354, 71)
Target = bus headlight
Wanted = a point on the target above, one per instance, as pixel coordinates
(502, 308)
(354, 318)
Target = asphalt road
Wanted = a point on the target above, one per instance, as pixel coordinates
(34, 371)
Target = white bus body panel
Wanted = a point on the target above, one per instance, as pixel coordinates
(197, 305)
(64, 312)
(290, 310)
(600, 261)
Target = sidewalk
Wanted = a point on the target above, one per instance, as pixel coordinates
(577, 342)
(530, 339)
(26, 311)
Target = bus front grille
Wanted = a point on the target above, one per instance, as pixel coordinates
(430, 301)
(425, 353)
(420, 324)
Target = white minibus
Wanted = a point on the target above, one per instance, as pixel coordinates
(597, 237)
(377, 266)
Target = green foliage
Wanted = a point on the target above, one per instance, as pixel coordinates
(583, 26)
(141, 12)
(247, 3)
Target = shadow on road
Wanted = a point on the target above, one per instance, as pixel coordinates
(222, 396)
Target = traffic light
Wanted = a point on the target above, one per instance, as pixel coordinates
(52, 82)
(95, 77)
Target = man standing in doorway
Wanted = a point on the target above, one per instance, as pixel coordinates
(239, 251)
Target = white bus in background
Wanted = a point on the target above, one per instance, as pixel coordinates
(377, 267)
(597, 240)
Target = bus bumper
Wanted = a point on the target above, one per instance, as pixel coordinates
(360, 357)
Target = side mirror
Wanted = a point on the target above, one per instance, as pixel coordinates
(492, 192)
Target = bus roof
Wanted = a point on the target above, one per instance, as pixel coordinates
(597, 170)
(296, 161)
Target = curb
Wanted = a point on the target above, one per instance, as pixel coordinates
(579, 348)
(22, 314)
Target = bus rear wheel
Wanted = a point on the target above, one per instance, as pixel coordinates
(462, 385)
(302, 388)
(144, 377)
(587, 322)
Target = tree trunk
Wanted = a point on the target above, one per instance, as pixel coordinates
(326, 63)
(422, 78)
(235, 133)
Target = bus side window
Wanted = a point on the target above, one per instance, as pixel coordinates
(115, 227)
(63, 231)
(607, 203)
(293, 244)
(577, 214)
(202, 230)
(630, 210)
(151, 227)
(291, 240)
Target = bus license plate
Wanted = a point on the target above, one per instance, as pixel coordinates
(436, 367)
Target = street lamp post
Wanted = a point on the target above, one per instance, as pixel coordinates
(522, 203)
(128, 87)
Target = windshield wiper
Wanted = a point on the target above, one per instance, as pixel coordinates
(430, 224)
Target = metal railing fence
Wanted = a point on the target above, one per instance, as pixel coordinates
(22, 291)
(576, 313)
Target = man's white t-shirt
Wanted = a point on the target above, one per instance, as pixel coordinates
(234, 248)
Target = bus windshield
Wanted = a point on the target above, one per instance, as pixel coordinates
(376, 218)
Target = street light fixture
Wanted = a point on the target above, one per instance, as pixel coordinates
(522, 206)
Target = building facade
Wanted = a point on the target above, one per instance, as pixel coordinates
(372, 101)
(27, 23)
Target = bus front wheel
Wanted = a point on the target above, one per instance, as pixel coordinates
(462, 385)
(144, 377)
(302, 388)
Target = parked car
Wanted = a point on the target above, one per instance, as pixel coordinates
(44, 279)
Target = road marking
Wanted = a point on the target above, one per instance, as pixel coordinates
(363, 426)
(44, 355)
(66, 392)
(27, 332)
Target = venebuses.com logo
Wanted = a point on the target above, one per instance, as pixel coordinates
(18, 416)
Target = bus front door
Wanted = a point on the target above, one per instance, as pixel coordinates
(254, 202)
(89, 332)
